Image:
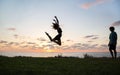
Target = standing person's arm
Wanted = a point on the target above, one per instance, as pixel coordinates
(109, 40)
(116, 36)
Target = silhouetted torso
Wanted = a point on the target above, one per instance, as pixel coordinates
(113, 38)
(59, 30)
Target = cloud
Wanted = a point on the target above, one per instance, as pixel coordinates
(22, 45)
(103, 45)
(13, 43)
(95, 37)
(118, 47)
(117, 23)
(15, 35)
(9, 44)
(51, 46)
(11, 29)
(41, 39)
(80, 46)
(66, 47)
(95, 2)
(89, 41)
(69, 40)
(88, 46)
(2, 41)
(91, 36)
(76, 46)
(88, 36)
(30, 43)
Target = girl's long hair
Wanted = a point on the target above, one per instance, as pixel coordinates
(55, 26)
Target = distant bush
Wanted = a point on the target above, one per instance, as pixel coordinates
(88, 56)
(22, 56)
(3, 56)
(59, 56)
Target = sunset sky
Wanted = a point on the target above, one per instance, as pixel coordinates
(85, 25)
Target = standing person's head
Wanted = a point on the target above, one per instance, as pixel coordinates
(55, 26)
(112, 29)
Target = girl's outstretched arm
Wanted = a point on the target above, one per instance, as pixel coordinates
(54, 20)
(57, 20)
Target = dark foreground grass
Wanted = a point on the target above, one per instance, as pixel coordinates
(58, 66)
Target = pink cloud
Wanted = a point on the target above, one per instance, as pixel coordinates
(95, 2)
(15, 35)
(11, 29)
(116, 23)
(41, 39)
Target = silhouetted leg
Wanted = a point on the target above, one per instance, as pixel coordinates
(58, 42)
(57, 39)
(48, 36)
(111, 53)
(115, 53)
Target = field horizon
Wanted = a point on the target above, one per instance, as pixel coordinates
(58, 66)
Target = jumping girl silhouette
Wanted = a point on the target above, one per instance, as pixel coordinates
(57, 38)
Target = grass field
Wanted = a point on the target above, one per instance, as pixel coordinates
(58, 66)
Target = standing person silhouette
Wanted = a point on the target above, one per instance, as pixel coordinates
(57, 38)
(112, 42)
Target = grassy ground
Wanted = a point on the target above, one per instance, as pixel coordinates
(58, 66)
